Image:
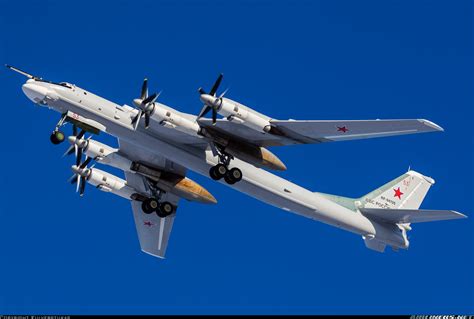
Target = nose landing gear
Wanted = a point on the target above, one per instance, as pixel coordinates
(57, 136)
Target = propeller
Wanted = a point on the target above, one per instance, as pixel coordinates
(74, 147)
(145, 104)
(211, 102)
(81, 173)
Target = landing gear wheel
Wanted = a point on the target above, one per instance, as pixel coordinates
(165, 209)
(213, 174)
(149, 205)
(57, 137)
(233, 176)
(220, 170)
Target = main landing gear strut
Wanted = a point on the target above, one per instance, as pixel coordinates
(153, 204)
(221, 170)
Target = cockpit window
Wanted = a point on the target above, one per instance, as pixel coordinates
(65, 84)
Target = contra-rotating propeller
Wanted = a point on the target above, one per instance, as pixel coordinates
(81, 173)
(145, 104)
(74, 147)
(211, 102)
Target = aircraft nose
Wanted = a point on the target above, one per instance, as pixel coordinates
(34, 92)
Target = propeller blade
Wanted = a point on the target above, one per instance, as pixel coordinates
(136, 120)
(78, 156)
(81, 134)
(83, 186)
(86, 162)
(69, 151)
(223, 93)
(214, 117)
(147, 119)
(78, 182)
(216, 85)
(201, 90)
(74, 130)
(144, 91)
(204, 111)
(150, 99)
(72, 179)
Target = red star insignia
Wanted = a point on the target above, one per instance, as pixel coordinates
(147, 223)
(342, 129)
(398, 193)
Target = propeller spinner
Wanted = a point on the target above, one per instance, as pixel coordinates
(145, 104)
(210, 100)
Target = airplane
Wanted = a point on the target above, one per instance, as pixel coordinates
(158, 144)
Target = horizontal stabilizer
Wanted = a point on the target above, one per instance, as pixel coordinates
(406, 216)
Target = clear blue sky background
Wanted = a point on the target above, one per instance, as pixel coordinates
(60, 253)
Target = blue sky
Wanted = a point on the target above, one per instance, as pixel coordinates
(301, 59)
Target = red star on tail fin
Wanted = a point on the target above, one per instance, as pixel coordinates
(398, 193)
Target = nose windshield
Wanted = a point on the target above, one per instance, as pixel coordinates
(64, 84)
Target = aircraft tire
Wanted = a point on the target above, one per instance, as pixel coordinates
(233, 176)
(220, 170)
(57, 137)
(165, 209)
(149, 205)
(212, 173)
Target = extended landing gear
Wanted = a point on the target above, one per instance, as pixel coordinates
(231, 176)
(163, 209)
(154, 203)
(150, 205)
(57, 136)
(221, 170)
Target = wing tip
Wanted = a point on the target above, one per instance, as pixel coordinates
(153, 254)
(432, 125)
(458, 215)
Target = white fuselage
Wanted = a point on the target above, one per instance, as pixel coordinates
(258, 183)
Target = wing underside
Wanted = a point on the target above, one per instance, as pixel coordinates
(292, 132)
(153, 231)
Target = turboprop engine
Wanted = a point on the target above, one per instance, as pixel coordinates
(104, 181)
(167, 117)
(234, 111)
(166, 181)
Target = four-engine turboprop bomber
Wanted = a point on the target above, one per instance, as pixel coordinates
(158, 144)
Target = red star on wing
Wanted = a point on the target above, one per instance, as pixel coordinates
(147, 223)
(398, 193)
(342, 129)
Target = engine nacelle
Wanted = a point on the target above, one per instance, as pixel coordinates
(258, 156)
(176, 121)
(106, 155)
(243, 115)
(107, 182)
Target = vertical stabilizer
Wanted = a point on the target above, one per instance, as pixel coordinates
(406, 191)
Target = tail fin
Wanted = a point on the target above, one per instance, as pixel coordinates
(395, 205)
(406, 191)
